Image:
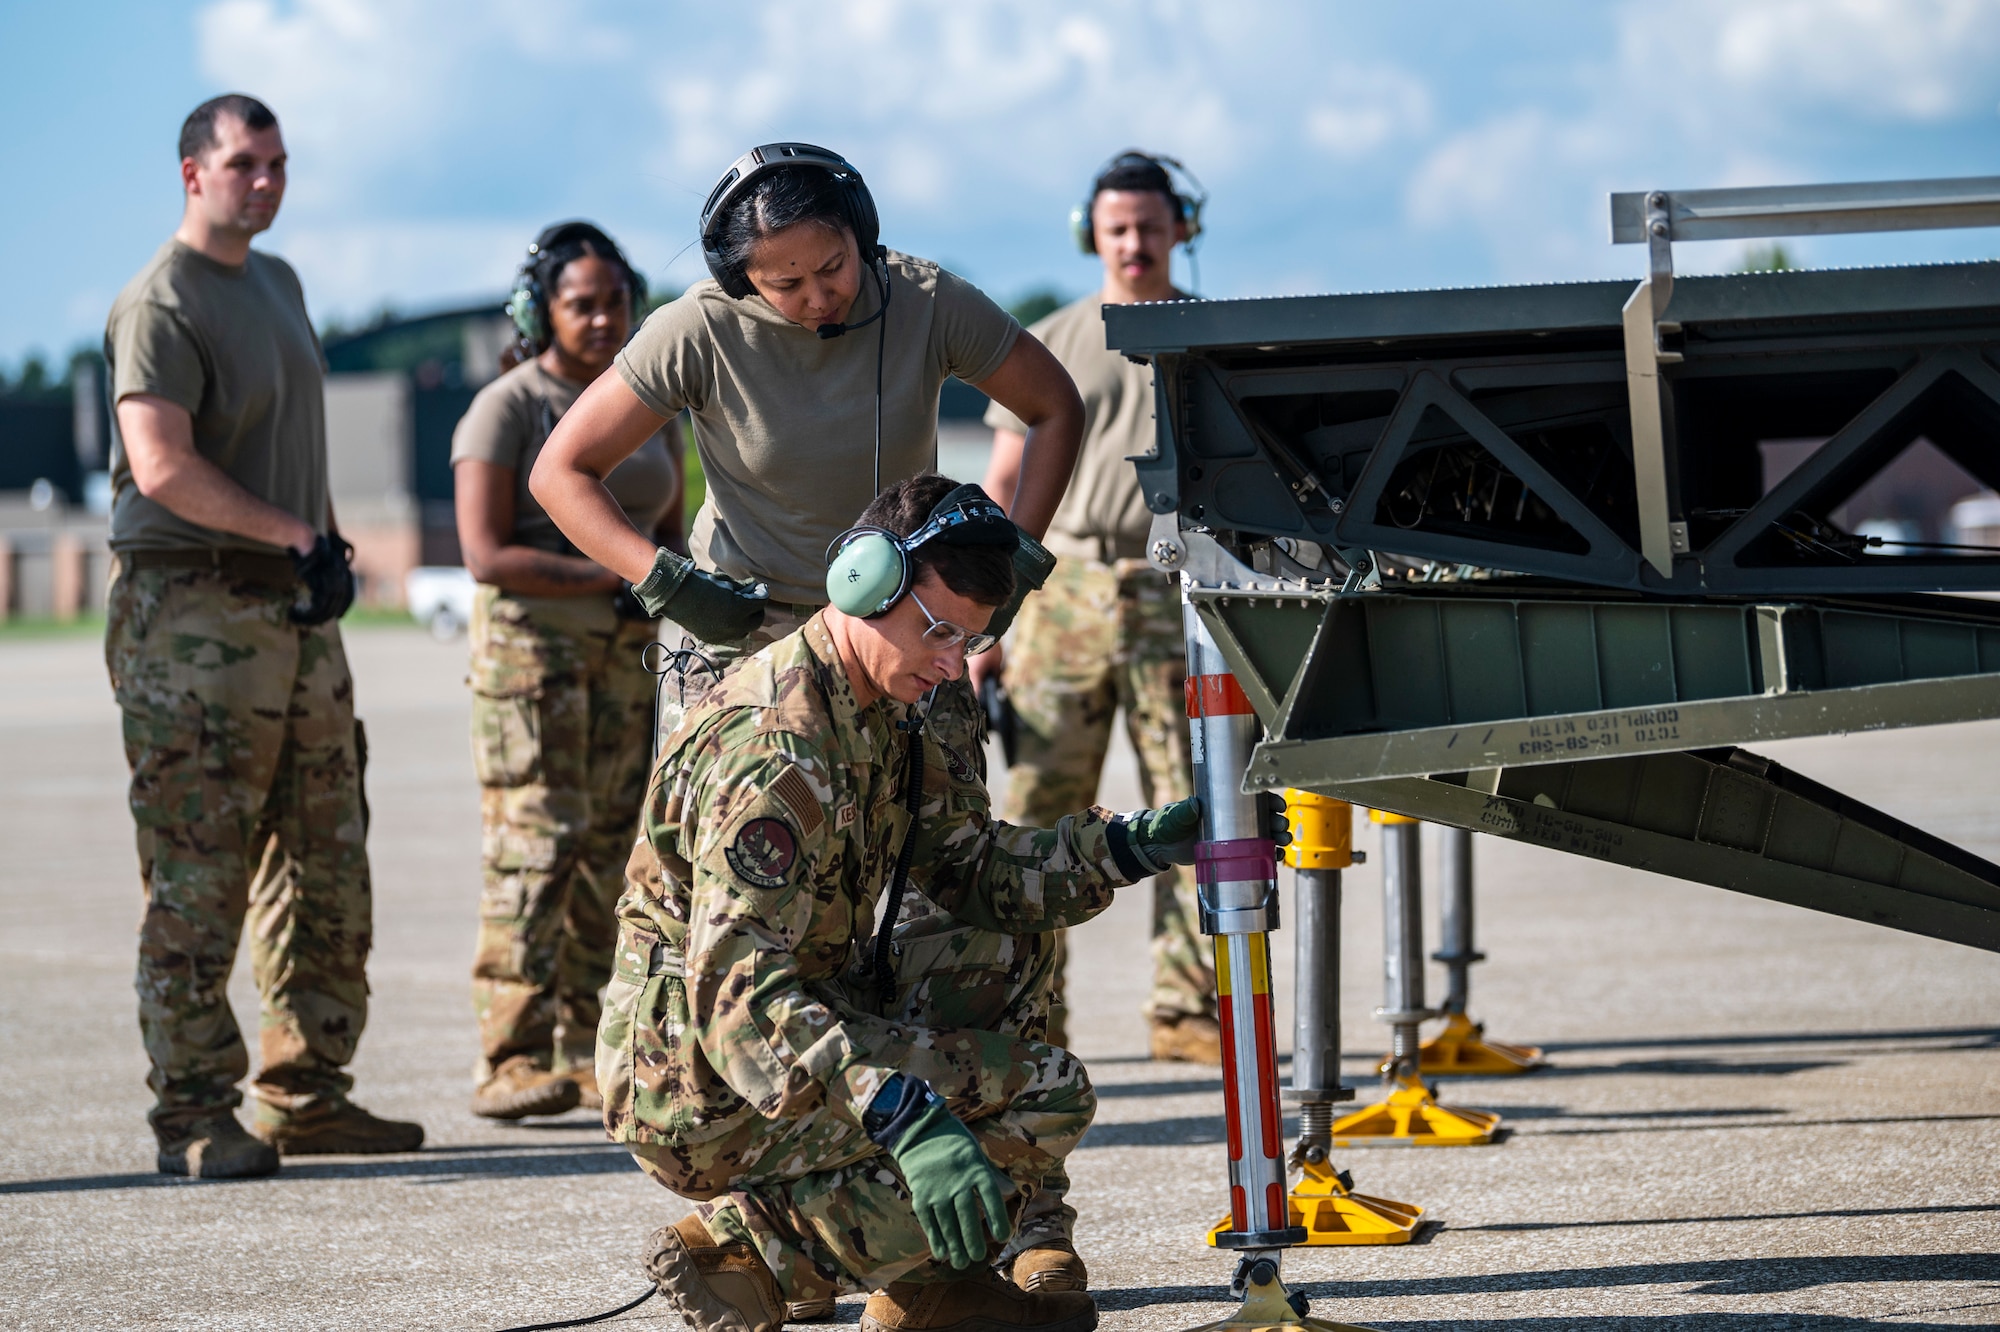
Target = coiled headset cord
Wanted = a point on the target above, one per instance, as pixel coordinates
(580, 1322)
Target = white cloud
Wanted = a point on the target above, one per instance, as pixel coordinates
(1909, 59)
(1367, 108)
(1705, 93)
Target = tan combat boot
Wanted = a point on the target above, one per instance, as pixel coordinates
(811, 1311)
(217, 1148)
(585, 1078)
(340, 1129)
(1188, 1038)
(981, 1302)
(1050, 1265)
(716, 1287)
(520, 1088)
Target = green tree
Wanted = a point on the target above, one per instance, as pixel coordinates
(1037, 303)
(1772, 258)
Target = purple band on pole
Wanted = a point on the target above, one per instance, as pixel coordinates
(1239, 860)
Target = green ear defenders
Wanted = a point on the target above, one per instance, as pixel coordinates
(869, 568)
(1187, 193)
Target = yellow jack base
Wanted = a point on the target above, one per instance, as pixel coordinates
(1267, 1308)
(1332, 1213)
(1412, 1117)
(1462, 1050)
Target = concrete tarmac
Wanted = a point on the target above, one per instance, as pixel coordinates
(1758, 1117)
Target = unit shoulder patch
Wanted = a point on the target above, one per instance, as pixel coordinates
(764, 852)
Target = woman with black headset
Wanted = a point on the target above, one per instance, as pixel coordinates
(561, 700)
(801, 411)
(810, 365)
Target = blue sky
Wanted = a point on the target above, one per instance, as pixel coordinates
(1348, 146)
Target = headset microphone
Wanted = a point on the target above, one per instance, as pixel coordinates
(834, 330)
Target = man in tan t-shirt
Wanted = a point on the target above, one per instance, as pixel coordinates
(226, 659)
(1106, 632)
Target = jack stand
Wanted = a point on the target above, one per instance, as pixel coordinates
(1410, 1116)
(1267, 1305)
(1236, 879)
(1462, 1049)
(1323, 1200)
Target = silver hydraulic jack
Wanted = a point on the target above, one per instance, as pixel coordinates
(1409, 1115)
(1461, 1049)
(1236, 875)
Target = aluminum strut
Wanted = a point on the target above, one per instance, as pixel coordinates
(1236, 878)
(1409, 1116)
(1462, 1049)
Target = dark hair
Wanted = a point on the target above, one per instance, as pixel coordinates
(983, 573)
(198, 130)
(787, 197)
(1138, 172)
(571, 241)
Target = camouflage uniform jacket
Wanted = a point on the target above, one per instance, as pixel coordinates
(770, 832)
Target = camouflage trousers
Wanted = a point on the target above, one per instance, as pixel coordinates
(561, 709)
(819, 1200)
(1096, 639)
(246, 764)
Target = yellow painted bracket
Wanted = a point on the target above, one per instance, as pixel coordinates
(1462, 1050)
(1322, 831)
(1332, 1213)
(1267, 1308)
(1412, 1117)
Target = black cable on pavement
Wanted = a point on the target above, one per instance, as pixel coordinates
(594, 1318)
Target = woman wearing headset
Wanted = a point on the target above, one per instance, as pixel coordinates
(801, 411)
(561, 700)
(810, 364)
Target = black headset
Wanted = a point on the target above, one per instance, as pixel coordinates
(762, 161)
(1188, 194)
(528, 306)
(856, 203)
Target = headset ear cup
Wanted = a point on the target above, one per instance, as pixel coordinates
(868, 573)
(1080, 229)
(1191, 214)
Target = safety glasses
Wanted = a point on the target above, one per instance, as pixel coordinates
(944, 634)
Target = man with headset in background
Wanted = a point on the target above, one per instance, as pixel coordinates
(226, 660)
(854, 1113)
(1106, 631)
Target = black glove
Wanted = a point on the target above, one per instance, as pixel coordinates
(1000, 716)
(325, 579)
(713, 607)
(625, 604)
(1032, 566)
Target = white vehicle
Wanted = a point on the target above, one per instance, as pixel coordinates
(440, 596)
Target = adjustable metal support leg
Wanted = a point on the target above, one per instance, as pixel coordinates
(1462, 1049)
(1236, 875)
(1410, 1116)
(1323, 1200)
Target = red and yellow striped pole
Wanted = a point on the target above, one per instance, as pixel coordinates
(1236, 875)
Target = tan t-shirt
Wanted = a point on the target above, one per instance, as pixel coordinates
(1103, 515)
(509, 421)
(233, 345)
(784, 420)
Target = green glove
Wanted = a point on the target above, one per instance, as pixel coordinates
(957, 1194)
(1166, 836)
(1157, 838)
(713, 607)
(1032, 566)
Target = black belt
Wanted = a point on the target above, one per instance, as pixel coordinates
(248, 566)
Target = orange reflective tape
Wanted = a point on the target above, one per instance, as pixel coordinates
(1216, 696)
